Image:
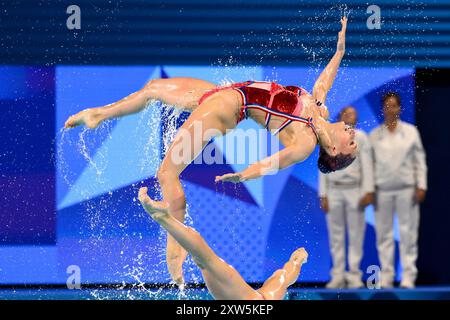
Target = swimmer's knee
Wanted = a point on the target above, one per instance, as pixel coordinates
(280, 273)
(148, 86)
(150, 89)
(174, 258)
(160, 175)
(165, 175)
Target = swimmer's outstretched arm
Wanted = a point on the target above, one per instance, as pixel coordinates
(288, 156)
(326, 78)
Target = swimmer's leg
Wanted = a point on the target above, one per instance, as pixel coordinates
(181, 92)
(276, 286)
(212, 118)
(222, 280)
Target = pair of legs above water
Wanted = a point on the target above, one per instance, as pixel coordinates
(222, 280)
(216, 114)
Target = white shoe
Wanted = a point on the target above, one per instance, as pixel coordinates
(336, 284)
(355, 284)
(353, 280)
(387, 284)
(407, 284)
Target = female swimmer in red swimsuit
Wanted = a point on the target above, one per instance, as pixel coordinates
(222, 280)
(298, 117)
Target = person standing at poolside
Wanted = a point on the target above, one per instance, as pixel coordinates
(344, 195)
(401, 184)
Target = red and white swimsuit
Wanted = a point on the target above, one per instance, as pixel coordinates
(270, 97)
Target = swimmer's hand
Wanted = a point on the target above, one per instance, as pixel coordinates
(230, 177)
(91, 118)
(156, 209)
(341, 35)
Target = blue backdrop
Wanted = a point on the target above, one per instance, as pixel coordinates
(203, 32)
(70, 197)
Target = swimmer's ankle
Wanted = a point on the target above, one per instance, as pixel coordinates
(92, 117)
(299, 256)
(180, 283)
(176, 273)
(158, 216)
(156, 209)
(99, 114)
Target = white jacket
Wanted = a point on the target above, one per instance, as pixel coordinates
(399, 157)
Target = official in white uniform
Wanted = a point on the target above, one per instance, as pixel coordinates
(344, 194)
(401, 182)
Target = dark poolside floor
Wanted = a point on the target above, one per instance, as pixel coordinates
(420, 293)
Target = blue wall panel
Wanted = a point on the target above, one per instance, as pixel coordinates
(96, 222)
(204, 32)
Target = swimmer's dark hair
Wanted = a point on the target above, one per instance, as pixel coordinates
(327, 163)
(391, 94)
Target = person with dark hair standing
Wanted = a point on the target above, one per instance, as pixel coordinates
(401, 183)
(344, 195)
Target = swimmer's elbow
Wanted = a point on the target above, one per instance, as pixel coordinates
(319, 91)
(293, 156)
(324, 113)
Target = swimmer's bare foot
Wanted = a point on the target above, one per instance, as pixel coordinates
(156, 209)
(299, 256)
(89, 117)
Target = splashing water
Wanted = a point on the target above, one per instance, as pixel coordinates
(135, 270)
(103, 220)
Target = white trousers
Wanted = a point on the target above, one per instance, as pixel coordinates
(343, 215)
(402, 203)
